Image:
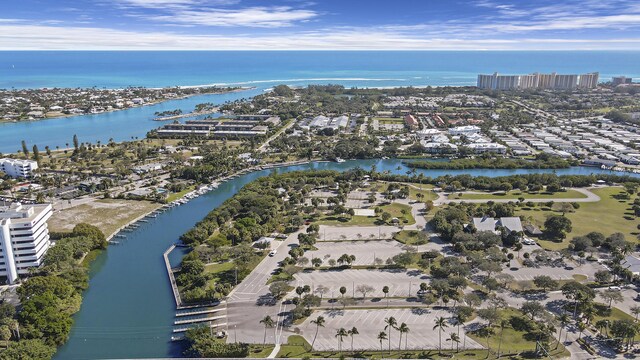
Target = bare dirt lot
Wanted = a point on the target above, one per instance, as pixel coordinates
(107, 214)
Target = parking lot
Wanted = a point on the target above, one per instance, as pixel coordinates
(328, 233)
(364, 251)
(400, 282)
(371, 322)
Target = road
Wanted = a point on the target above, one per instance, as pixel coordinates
(251, 301)
(264, 146)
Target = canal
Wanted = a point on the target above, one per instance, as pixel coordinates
(128, 310)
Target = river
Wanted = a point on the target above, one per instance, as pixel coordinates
(128, 309)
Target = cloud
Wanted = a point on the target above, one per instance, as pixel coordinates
(42, 37)
(265, 17)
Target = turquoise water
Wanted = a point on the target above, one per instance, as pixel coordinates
(260, 69)
(129, 308)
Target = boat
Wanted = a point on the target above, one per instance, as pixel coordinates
(339, 160)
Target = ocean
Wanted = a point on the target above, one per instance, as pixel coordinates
(118, 69)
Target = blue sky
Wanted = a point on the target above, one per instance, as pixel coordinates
(321, 25)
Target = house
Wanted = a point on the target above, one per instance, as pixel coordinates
(491, 224)
(532, 230)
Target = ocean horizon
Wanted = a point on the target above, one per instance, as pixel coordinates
(118, 69)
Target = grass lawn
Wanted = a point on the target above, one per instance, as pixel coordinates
(394, 209)
(409, 237)
(297, 347)
(609, 215)
(513, 341)
(107, 214)
(179, 195)
(569, 194)
(603, 312)
(389, 120)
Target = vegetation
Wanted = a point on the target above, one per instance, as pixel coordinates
(542, 162)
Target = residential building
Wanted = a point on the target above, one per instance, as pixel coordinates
(536, 80)
(24, 238)
(18, 168)
(464, 130)
(411, 121)
(491, 224)
(621, 80)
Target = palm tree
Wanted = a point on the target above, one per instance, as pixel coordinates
(340, 334)
(635, 310)
(564, 320)
(582, 327)
(391, 324)
(318, 322)
(382, 336)
(385, 290)
(454, 338)
(353, 331)
(441, 323)
(268, 323)
(403, 329)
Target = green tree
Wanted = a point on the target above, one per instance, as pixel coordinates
(76, 144)
(454, 338)
(352, 332)
(318, 322)
(29, 349)
(385, 290)
(340, 334)
(381, 337)
(36, 154)
(25, 150)
(557, 226)
(441, 324)
(403, 329)
(391, 324)
(545, 282)
(268, 322)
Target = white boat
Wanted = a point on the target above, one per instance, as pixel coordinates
(339, 160)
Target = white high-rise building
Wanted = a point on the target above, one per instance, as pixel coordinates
(24, 238)
(18, 168)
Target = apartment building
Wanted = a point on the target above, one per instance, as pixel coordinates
(24, 238)
(18, 168)
(551, 81)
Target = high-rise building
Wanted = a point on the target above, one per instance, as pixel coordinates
(621, 80)
(24, 238)
(18, 168)
(538, 81)
(588, 81)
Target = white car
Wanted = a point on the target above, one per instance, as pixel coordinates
(528, 242)
(273, 253)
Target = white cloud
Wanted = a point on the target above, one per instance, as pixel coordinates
(268, 17)
(41, 37)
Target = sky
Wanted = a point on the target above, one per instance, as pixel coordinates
(320, 25)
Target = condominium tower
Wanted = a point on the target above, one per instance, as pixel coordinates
(538, 81)
(24, 238)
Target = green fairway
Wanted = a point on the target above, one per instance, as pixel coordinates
(569, 194)
(609, 215)
(394, 209)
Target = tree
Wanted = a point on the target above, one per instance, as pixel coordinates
(454, 338)
(391, 324)
(441, 324)
(545, 282)
(76, 144)
(403, 329)
(381, 337)
(340, 334)
(5, 334)
(532, 308)
(603, 276)
(267, 321)
(278, 289)
(36, 154)
(352, 332)
(343, 290)
(611, 296)
(624, 330)
(557, 226)
(318, 322)
(635, 310)
(385, 290)
(28, 349)
(564, 320)
(582, 327)
(364, 289)
(316, 262)
(25, 150)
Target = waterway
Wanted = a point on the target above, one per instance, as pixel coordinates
(128, 309)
